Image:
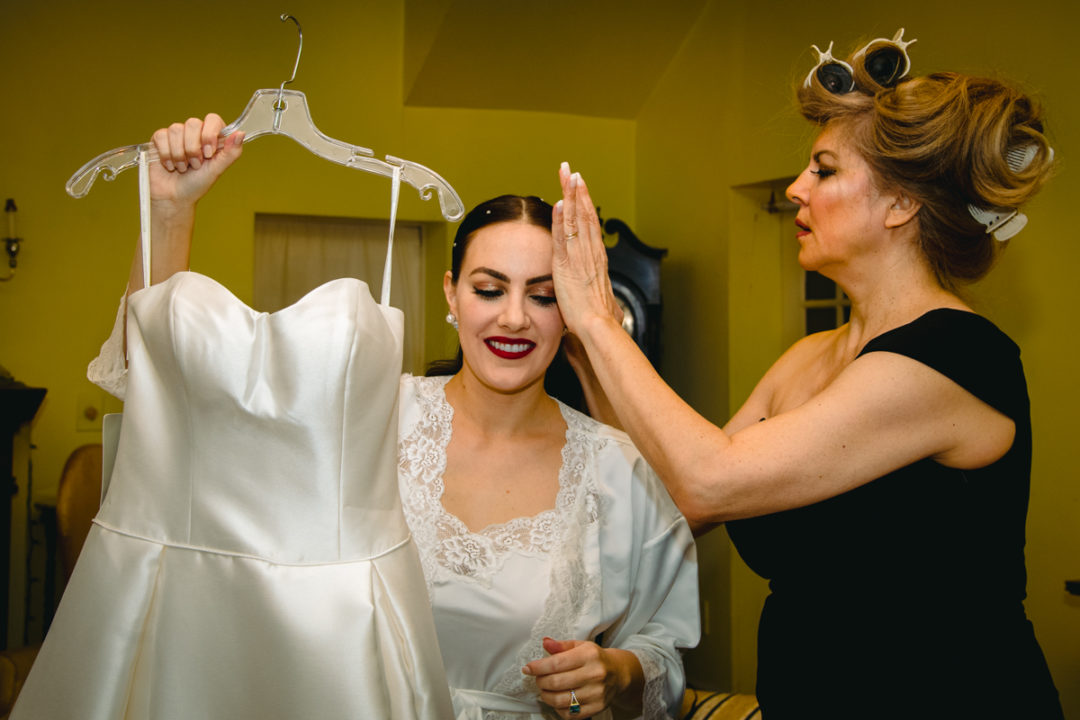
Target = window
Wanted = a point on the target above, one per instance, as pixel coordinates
(294, 254)
(825, 307)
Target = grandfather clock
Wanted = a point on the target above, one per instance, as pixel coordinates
(634, 268)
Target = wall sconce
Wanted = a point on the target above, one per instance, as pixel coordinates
(11, 241)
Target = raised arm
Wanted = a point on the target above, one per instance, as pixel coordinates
(882, 412)
(192, 157)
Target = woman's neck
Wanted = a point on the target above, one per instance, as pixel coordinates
(891, 297)
(529, 410)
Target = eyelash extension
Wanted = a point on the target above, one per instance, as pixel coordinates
(541, 300)
(823, 172)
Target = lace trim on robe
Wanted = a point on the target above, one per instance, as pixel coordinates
(449, 545)
(653, 701)
(109, 369)
(446, 545)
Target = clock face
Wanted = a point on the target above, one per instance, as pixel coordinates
(629, 323)
(633, 308)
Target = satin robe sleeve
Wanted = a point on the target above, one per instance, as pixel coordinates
(109, 369)
(650, 579)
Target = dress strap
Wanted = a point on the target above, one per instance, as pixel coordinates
(395, 188)
(144, 218)
(144, 213)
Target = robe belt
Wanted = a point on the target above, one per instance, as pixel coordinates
(473, 704)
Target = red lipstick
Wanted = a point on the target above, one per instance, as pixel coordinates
(509, 348)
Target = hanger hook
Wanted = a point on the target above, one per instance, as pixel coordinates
(299, 50)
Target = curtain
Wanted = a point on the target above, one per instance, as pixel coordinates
(294, 254)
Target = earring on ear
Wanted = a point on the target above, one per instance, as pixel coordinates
(451, 320)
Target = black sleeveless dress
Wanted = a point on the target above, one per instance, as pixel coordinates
(904, 597)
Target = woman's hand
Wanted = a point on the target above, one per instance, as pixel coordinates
(191, 157)
(597, 677)
(582, 285)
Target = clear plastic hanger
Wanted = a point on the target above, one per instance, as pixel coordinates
(285, 112)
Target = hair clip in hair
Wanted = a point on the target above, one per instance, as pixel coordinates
(1004, 223)
(886, 61)
(835, 75)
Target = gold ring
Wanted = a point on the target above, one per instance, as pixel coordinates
(575, 706)
(572, 235)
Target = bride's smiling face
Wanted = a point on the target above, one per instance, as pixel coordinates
(504, 300)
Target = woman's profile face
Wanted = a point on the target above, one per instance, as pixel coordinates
(508, 320)
(841, 211)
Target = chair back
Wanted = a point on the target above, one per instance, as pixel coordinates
(77, 501)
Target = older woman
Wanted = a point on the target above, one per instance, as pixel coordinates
(878, 474)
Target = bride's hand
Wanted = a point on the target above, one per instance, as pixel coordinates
(580, 272)
(191, 157)
(584, 672)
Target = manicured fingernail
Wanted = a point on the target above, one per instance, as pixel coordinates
(574, 179)
(564, 166)
(170, 166)
(558, 205)
(181, 167)
(207, 150)
(526, 671)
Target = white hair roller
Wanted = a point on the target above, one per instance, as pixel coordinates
(1004, 223)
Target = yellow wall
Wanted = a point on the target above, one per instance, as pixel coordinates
(723, 117)
(78, 82)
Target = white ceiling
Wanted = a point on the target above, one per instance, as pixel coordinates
(586, 57)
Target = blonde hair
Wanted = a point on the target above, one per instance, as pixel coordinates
(942, 139)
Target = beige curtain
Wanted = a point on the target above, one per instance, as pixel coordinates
(296, 253)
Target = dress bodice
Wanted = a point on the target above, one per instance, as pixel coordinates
(260, 434)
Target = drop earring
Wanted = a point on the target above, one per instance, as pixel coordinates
(451, 320)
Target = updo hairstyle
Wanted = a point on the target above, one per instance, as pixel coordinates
(942, 140)
(507, 208)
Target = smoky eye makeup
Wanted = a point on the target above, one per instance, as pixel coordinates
(487, 293)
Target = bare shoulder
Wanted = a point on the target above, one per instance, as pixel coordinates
(792, 371)
(807, 352)
(897, 391)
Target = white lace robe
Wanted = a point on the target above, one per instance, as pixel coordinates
(613, 562)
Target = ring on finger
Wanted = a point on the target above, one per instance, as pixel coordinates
(575, 706)
(572, 235)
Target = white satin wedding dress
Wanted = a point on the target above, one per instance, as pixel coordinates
(250, 559)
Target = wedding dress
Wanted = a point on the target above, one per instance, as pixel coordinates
(250, 558)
